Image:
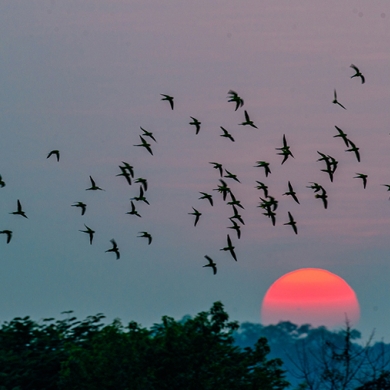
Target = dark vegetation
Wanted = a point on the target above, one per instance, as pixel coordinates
(204, 352)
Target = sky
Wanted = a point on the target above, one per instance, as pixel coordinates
(82, 77)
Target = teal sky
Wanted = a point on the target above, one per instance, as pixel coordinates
(83, 77)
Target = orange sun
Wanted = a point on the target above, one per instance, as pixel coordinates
(310, 296)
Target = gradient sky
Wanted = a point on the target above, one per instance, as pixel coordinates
(82, 77)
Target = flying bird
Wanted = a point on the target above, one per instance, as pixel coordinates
(94, 187)
(324, 197)
(291, 192)
(358, 73)
(141, 197)
(208, 197)
(335, 101)
(262, 186)
(82, 205)
(195, 123)
(248, 121)
(355, 149)
(342, 135)
(230, 175)
(363, 177)
(143, 182)
(148, 134)
(126, 174)
(133, 211)
(265, 165)
(235, 98)
(8, 233)
(56, 153)
(236, 216)
(223, 189)
(145, 145)
(19, 211)
(285, 150)
(292, 223)
(229, 248)
(128, 167)
(226, 134)
(211, 264)
(217, 166)
(197, 215)
(234, 201)
(168, 98)
(146, 235)
(114, 249)
(90, 232)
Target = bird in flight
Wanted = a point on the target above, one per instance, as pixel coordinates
(148, 134)
(82, 205)
(133, 211)
(235, 98)
(141, 197)
(358, 73)
(226, 134)
(128, 167)
(168, 98)
(236, 215)
(19, 211)
(56, 153)
(355, 149)
(90, 232)
(229, 248)
(195, 123)
(223, 189)
(145, 144)
(265, 165)
(94, 187)
(197, 215)
(146, 235)
(2, 183)
(230, 175)
(248, 121)
(114, 249)
(234, 201)
(363, 177)
(342, 135)
(292, 223)
(207, 196)
(291, 192)
(8, 233)
(143, 182)
(236, 227)
(218, 166)
(335, 101)
(324, 197)
(285, 150)
(262, 186)
(211, 264)
(126, 174)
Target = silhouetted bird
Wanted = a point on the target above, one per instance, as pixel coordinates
(363, 177)
(141, 197)
(168, 98)
(236, 216)
(226, 134)
(229, 248)
(236, 227)
(90, 232)
(291, 192)
(197, 215)
(285, 150)
(19, 210)
(335, 101)
(133, 211)
(234, 201)
(324, 197)
(358, 73)
(195, 123)
(207, 196)
(223, 189)
(93, 187)
(248, 121)
(262, 186)
(211, 264)
(143, 182)
(342, 135)
(56, 153)
(265, 165)
(292, 223)
(355, 149)
(218, 166)
(148, 134)
(8, 233)
(125, 173)
(235, 98)
(82, 205)
(146, 235)
(114, 249)
(145, 145)
(230, 175)
(128, 167)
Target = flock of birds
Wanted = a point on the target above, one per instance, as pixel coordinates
(267, 203)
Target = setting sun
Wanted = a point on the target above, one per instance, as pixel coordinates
(310, 295)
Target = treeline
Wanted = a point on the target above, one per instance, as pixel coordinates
(204, 352)
(196, 353)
